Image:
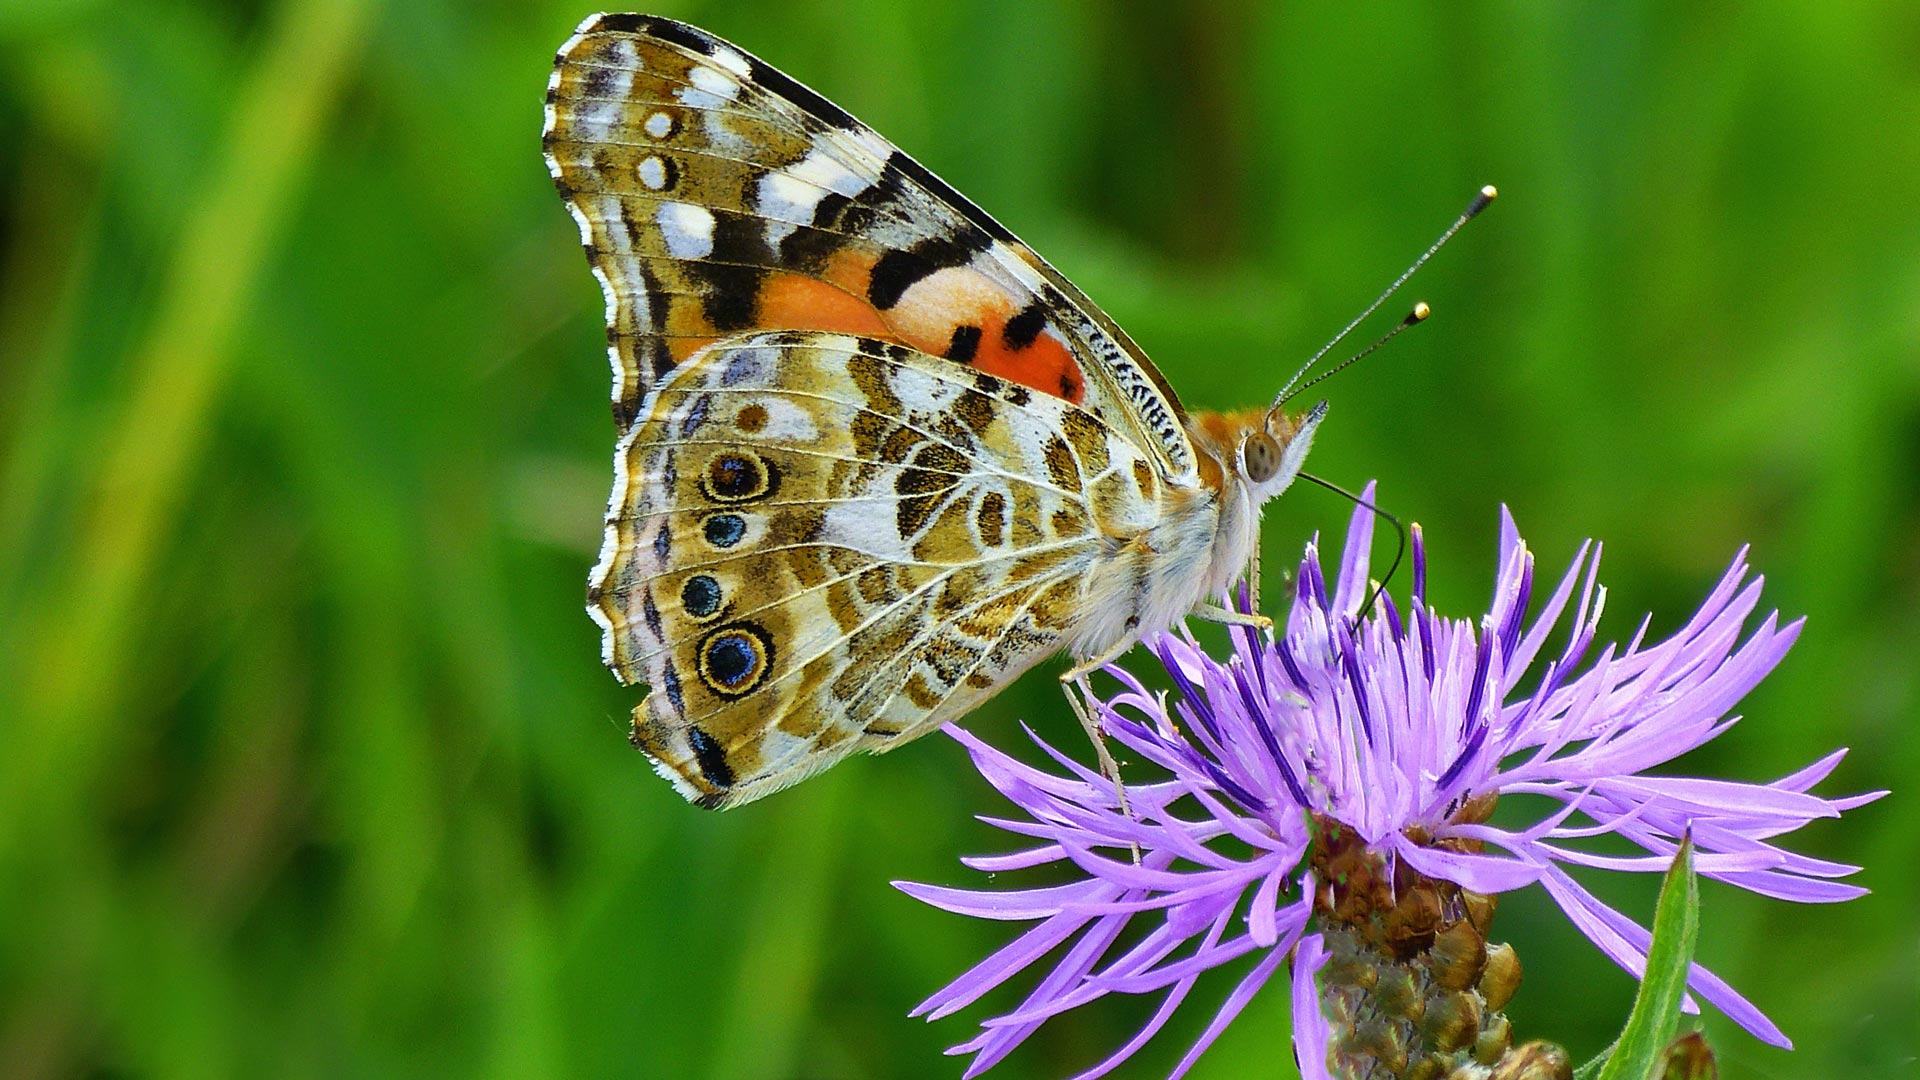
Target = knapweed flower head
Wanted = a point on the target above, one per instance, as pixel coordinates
(1329, 787)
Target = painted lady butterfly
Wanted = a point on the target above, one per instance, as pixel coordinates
(876, 457)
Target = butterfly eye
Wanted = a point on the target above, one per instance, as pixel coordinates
(1260, 456)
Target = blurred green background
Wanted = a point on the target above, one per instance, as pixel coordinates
(308, 765)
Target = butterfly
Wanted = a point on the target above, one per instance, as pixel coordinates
(876, 458)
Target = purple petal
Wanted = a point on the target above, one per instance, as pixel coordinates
(1175, 995)
(1011, 904)
(1350, 589)
(1522, 654)
(1479, 873)
(999, 966)
(1311, 1032)
(1013, 860)
(1235, 1002)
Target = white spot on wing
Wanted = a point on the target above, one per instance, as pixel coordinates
(787, 422)
(713, 82)
(870, 525)
(870, 146)
(732, 61)
(825, 170)
(688, 229)
(710, 89)
(789, 196)
(621, 52)
(659, 125)
(923, 395)
(653, 173)
(787, 204)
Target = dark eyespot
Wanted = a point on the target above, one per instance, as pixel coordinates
(1261, 455)
(700, 596)
(725, 530)
(738, 476)
(733, 476)
(733, 659)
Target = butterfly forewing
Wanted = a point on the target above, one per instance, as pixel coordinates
(716, 195)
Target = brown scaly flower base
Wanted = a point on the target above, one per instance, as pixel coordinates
(1412, 988)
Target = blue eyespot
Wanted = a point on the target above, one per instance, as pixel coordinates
(735, 658)
(700, 596)
(725, 530)
(732, 660)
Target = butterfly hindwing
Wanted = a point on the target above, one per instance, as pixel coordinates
(716, 195)
(827, 544)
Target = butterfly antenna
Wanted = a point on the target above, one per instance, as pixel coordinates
(1417, 315)
(1399, 532)
(1486, 195)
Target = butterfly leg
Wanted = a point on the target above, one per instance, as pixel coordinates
(1253, 571)
(1074, 684)
(1215, 613)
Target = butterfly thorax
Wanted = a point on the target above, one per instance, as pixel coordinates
(1198, 537)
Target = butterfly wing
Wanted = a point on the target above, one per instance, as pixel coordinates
(716, 195)
(831, 544)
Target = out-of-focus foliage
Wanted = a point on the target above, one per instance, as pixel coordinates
(308, 765)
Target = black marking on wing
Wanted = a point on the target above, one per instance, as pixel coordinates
(786, 86)
(897, 270)
(733, 272)
(1026, 324)
(651, 612)
(600, 82)
(691, 38)
(710, 756)
(670, 681)
(964, 344)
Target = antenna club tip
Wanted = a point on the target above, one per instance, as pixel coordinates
(1486, 195)
(1489, 193)
(1419, 313)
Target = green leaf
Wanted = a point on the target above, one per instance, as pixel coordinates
(1640, 1052)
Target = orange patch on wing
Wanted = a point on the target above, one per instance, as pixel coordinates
(798, 302)
(1044, 365)
(926, 317)
(682, 348)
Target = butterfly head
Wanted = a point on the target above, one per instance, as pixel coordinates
(1262, 450)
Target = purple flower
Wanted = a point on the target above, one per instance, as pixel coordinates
(1398, 730)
